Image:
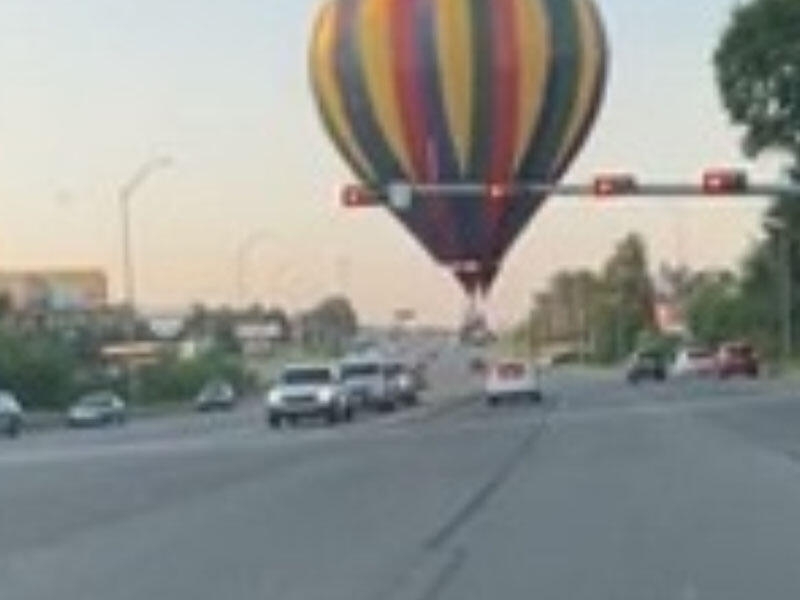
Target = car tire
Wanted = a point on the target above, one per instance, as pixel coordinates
(493, 401)
(274, 421)
(349, 414)
(14, 429)
(536, 398)
(332, 417)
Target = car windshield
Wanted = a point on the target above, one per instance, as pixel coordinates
(393, 370)
(356, 370)
(215, 388)
(307, 376)
(99, 400)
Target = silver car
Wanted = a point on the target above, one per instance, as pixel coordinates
(98, 409)
(11, 415)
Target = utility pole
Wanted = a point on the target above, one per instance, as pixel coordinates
(783, 236)
(126, 194)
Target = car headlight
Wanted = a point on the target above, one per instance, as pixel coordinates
(327, 396)
(274, 398)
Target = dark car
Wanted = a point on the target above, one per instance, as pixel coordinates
(216, 395)
(737, 359)
(403, 382)
(647, 366)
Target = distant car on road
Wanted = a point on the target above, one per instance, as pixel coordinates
(695, 362)
(512, 380)
(737, 359)
(98, 409)
(366, 383)
(308, 391)
(11, 415)
(646, 366)
(477, 365)
(403, 382)
(216, 395)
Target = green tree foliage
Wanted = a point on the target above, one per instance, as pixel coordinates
(330, 325)
(715, 309)
(173, 380)
(626, 300)
(758, 73)
(40, 371)
(607, 312)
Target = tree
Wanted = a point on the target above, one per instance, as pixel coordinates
(607, 312)
(715, 308)
(758, 72)
(626, 308)
(330, 325)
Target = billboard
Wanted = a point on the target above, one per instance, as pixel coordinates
(54, 289)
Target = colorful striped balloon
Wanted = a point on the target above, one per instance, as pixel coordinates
(479, 91)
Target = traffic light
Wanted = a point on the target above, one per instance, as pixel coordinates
(724, 181)
(356, 196)
(615, 184)
(499, 191)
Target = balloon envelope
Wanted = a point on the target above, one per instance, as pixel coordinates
(476, 91)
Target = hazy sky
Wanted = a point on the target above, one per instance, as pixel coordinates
(90, 89)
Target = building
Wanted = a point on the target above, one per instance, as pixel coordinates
(54, 290)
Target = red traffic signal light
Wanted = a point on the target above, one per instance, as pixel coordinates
(616, 184)
(356, 196)
(724, 181)
(499, 191)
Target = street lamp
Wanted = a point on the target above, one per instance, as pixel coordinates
(780, 230)
(126, 194)
(245, 248)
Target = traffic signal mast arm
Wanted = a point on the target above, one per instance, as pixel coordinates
(719, 182)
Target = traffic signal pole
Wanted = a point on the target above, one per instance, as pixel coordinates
(716, 183)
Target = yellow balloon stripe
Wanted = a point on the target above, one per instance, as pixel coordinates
(455, 49)
(535, 50)
(378, 61)
(326, 85)
(590, 71)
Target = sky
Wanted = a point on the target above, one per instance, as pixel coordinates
(92, 89)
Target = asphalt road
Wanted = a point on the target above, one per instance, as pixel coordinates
(687, 491)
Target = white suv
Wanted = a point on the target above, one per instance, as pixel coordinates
(305, 391)
(512, 380)
(367, 383)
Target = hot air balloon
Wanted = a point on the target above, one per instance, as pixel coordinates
(489, 92)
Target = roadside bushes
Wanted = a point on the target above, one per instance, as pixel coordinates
(39, 371)
(173, 380)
